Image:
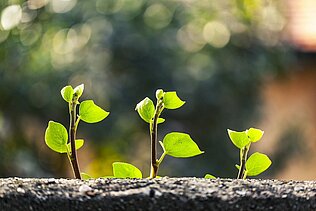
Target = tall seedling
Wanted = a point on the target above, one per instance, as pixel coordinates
(56, 136)
(174, 144)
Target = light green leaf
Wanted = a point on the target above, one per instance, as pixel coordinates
(254, 134)
(209, 176)
(91, 113)
(85, 176)
(56, 136)
(67, 93)
(172, 101)
(237, 166)
(78, 90)
(239, 139)
(160, 120)
(257, 163)
(180, 145)
(159, 94)
(79, 144)
(106, 177)
(125, 170)
(146, 109)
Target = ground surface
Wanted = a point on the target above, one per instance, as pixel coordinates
(158, 194)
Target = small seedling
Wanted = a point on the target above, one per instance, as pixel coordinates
(174, 144)
(56, 136)
(257, 162)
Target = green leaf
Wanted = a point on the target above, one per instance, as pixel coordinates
(85, 176)
(237, 166)
(209, 176)
(56, 136)
(91, 113)
(239, 139)
(257, 163)
(159, 94)
(125, 170)
(172, 101)
(160, 120)
(79, 144)
(67, 93)
(254, 134)
(106, 177)
(180, 145)
(78, 90)
(146, 109)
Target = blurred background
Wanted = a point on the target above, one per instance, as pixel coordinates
(236, 63)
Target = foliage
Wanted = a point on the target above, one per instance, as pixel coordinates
(124, 49)
(257, 162)
(56, 136)
(174, 144)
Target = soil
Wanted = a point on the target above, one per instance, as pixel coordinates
(157, 194)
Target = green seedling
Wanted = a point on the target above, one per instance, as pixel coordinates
(257, 162)
(56, 136)
(175, 144)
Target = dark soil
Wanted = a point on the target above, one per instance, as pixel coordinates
(158, 194)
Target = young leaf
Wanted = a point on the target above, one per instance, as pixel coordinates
(160, 120)
(67, 93)
(79, 144)
(125, 170)
(78, 90)
(146, 109)
(237, 166)
(159, 94)
(91, 113)
(180, 145)
(172, 101)
(85, 176)
(56, 136)
(239, 139)
(257, 163)
(254, 134)
(209, 176)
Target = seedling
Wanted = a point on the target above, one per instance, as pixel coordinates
(257, 162)
(174, 144)
(56, 136)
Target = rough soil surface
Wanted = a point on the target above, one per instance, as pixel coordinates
(158, 194)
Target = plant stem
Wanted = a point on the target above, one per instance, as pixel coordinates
(153, 138)
(243, 159)
(72, 137)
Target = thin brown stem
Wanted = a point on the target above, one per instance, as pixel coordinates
(153, 138)
(72, 137)
(243, 159)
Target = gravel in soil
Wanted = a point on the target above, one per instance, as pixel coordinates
(156, 194)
